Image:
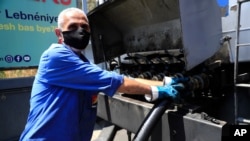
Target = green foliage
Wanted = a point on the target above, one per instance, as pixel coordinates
(2, 74)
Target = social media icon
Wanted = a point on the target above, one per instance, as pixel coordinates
(26, 58)
(18, 58)
(9, 58)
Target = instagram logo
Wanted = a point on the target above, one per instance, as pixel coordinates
(9, 58)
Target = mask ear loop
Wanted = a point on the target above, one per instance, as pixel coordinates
(59, 35)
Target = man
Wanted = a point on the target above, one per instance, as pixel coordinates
(63, 97)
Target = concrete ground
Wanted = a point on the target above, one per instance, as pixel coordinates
(104, 131)
(97, 132)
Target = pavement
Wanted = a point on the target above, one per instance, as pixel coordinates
(104, 131)
(97, 132)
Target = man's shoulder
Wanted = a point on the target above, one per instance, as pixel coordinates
(58, 49)
(56, 46)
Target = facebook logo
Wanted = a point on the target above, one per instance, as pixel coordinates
(18, 58)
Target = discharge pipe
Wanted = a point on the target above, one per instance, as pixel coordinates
(151, 120)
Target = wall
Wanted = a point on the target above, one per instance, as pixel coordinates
(229, 24)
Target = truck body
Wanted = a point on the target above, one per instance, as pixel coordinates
(153, 39)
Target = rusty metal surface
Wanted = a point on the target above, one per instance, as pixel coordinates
(125, 26)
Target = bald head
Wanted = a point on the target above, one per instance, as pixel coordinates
(72, 15)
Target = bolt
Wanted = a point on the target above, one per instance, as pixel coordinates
(3, 97)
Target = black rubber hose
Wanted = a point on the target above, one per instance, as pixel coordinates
(152, 118)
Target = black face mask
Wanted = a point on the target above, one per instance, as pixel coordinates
(78, 38)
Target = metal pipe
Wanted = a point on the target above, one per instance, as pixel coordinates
(103, 51)
(236, 64)
(243, 120)
(151, 120)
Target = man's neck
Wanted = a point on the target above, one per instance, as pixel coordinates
(77, 51)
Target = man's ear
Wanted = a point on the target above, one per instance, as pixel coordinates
(59, 35)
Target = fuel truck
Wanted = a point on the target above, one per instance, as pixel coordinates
(175, 38)
(153, 39)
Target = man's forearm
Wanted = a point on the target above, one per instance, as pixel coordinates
(138, 86)
(149, 82)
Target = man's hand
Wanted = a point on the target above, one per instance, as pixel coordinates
(174, 80)
(167, 91)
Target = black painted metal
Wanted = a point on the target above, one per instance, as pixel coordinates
(14, 106)
(151, 121)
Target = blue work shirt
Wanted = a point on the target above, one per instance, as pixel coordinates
(64, 94)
